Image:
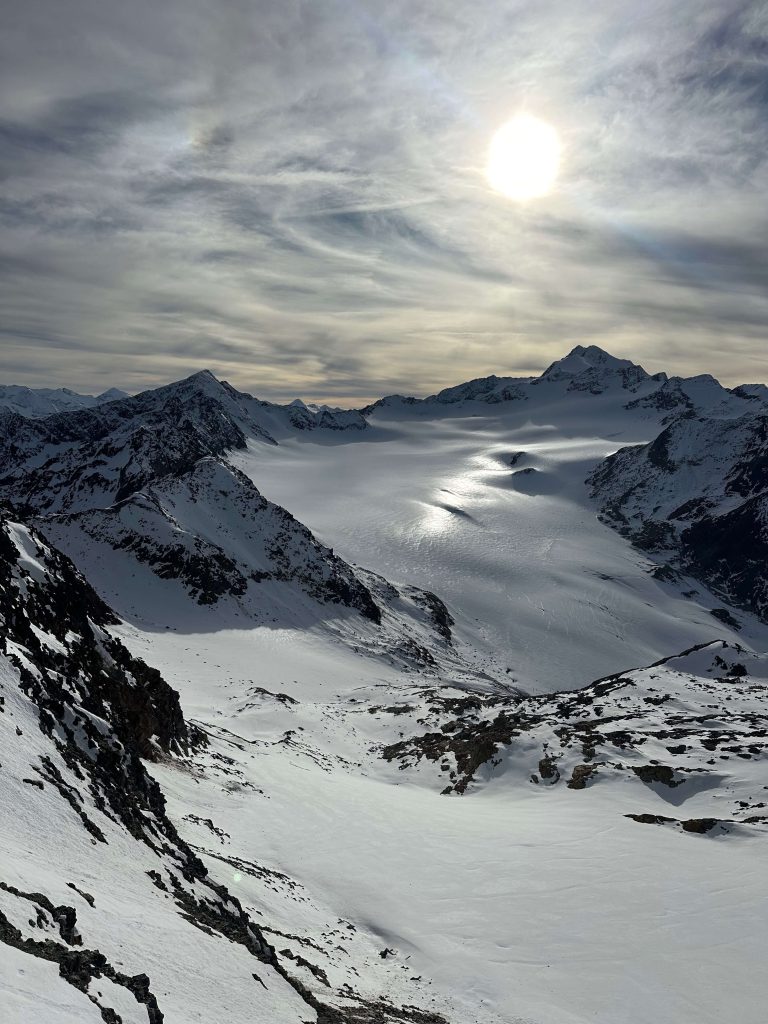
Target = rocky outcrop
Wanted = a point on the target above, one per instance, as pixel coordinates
(693, 722)
(697, 493)
(92, 457)
(102, 708)
(210, 529)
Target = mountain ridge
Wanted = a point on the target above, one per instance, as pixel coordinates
(581, 361)
(296, 703)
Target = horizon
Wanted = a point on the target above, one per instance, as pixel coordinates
(357, 403)
(311, 198)
(392, 375)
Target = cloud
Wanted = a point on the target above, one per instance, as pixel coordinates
(292, 194)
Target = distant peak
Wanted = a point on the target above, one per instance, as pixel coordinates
(586, 357)
(111, 395)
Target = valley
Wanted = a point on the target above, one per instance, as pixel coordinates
(422, 712)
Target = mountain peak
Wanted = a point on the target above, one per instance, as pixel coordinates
(201, 377)
(36, 403)
(111, 395)
(591, 369)
(202, 382)
(586, 357)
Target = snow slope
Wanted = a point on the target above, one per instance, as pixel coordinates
(486, 504)
(366, 806)
(521, 900)
(38, 402)
(105, 912)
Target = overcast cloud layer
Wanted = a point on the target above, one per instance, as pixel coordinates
(292, 193)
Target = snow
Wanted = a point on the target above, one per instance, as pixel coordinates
(584, 358)
(39, 402)
(533, 578)
(515, 902)
(29, 555)
(321, 799)
(33, 990)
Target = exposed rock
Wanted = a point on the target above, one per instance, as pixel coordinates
(674, 708)
(699, 492)
(661, 773)
(582, 773)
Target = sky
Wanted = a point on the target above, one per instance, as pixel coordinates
(292, 192)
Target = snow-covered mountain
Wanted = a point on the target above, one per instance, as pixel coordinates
(300, 720)
(591, 371)
(697, 396)
(38, 402)
(207, 536)
(92, 457)
(95, 876)
(698, 495)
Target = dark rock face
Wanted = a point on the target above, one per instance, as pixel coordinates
(89, 679)
(699, 492)
(730, 553)
(650, 819)
(93, 457)
(662, 773)
(442, 619)
(472, 744)
(375, 1011)
(693, 826)
(700, 826)
(582, 773)
(211, 529)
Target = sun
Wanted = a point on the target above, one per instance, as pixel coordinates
(523, 158)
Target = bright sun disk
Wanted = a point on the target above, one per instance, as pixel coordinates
(523, 158)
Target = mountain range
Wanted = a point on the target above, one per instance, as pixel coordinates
(38, 402)
(443, 710)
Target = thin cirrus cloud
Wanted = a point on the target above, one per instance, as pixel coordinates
(293, 194)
